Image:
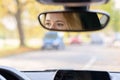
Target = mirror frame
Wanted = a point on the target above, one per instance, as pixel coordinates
(99, 12)
(80, 3)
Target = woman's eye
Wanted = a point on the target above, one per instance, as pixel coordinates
(47, 24)
(60, 24)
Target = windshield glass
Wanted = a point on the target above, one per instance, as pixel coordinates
(25, 45)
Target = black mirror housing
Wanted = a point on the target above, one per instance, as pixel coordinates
(73, 2)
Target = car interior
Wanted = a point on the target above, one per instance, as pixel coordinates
(85, 21)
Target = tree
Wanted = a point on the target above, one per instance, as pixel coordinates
(19, 24)
(14, 9)
(17, 8)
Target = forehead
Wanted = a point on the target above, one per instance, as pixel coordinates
(55, 16)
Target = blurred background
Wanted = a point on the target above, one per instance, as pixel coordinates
(21, 33)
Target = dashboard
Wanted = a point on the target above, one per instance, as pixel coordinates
(49, 75)
(8, 73)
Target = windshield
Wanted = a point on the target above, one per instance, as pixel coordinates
(23, 45)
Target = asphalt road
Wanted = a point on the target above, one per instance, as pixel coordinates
(93, 57)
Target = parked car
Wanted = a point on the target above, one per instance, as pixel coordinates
(96, 39)
(52, 40)
(116, 40)
(75, 40)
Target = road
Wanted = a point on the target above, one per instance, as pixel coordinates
(73, 57)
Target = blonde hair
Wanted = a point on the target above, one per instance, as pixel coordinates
(73, 21)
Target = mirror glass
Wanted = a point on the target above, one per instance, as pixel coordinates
(73, 21)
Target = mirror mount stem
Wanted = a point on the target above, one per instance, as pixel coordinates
(81, 8)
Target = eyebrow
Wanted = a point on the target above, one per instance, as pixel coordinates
(55, 21)
(59, 21)
(47, 20)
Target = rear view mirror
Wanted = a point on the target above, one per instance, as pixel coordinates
(73, 2)
(73, 20)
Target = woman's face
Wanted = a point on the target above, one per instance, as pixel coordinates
(56, 21)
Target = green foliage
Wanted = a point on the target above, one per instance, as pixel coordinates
(116, 21)
(113, 12)
(114, 15)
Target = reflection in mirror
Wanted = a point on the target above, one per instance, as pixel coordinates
(73, 21)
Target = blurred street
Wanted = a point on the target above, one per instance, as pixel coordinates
(97, 57)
